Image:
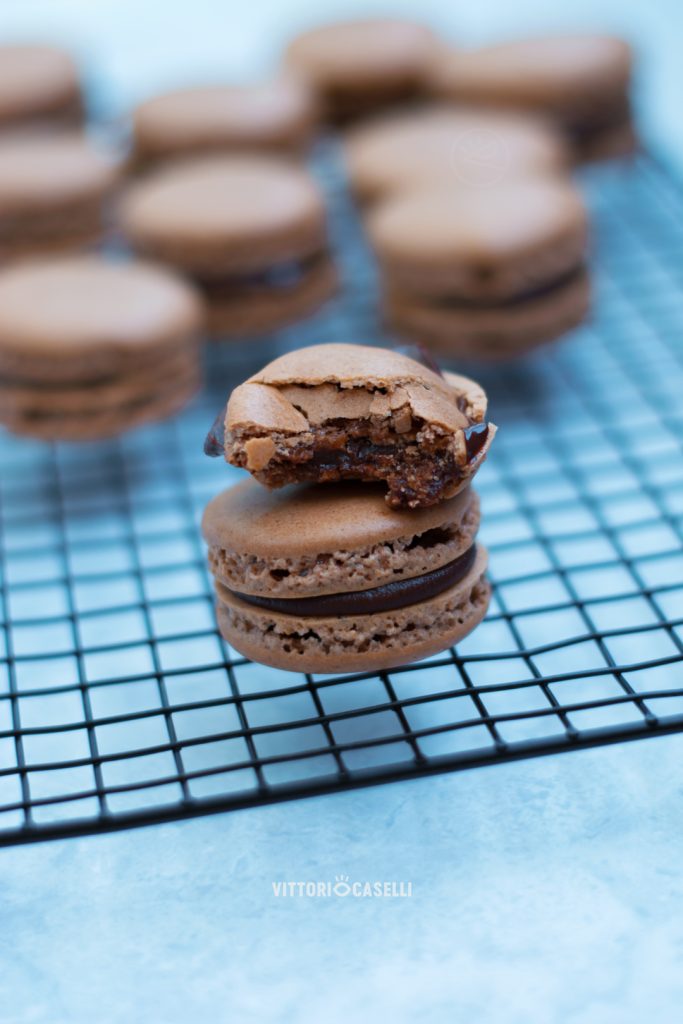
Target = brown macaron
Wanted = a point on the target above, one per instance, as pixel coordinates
(39, 86)
(330, 579)
(483, 272)
(54, 192)
(580, 81)
(351, 412)
(250, 231)
(89, 348)
(441, 146)
(359, 67)
(275, 116)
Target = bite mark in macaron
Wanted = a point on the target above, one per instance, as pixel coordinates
(351, 412)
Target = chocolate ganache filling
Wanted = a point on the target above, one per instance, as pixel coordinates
(397, 594)
(278, 276)
(527, 295)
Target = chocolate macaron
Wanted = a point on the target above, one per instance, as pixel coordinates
(483, 272)
(250, 231)
(54, 192)
(39, 86)
(581, 81)
(90, 348)
(275, 116)
(351, 412)
(441, 146)
(331, 579)
(359, 67)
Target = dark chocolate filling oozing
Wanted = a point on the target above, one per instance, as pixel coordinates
(397, 594)
(418, 474)
(214, 442)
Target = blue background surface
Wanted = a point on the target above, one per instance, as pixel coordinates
(546, 890)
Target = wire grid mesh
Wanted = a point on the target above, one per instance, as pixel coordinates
(121, 704)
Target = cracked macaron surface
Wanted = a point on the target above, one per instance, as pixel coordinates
(352, 412)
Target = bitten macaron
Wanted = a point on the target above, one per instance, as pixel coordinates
(350, 412)
(90, 348)
(330, 579)
(441, 146)
(250, 231)
(274, 116)
(39, 87)
(55, 190)
(359, 67)
(580, 81)
(485, 273)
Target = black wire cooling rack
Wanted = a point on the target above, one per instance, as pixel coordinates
(119, 702)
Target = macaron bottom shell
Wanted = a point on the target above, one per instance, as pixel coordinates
(493, 332)
(357, 643)
(238, 313)
(93, 425)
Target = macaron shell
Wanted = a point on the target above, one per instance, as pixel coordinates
(266, 403)
(219, 214)
(35, 82)
(94, 396)
(561, 74)
(441, 145)
(278, 115)
(304, 519)
(349, 366)
(355, 55)
(69, 230)
(495, 333)
(94, 426)
(45, 172)
(78, 306)
(609, 143)
(246, 313)
(480, 242)
(343, 571)
(356, 643)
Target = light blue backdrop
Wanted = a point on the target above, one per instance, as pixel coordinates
(543, 891)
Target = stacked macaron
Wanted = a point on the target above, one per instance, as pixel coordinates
(484, 273)
(446, 147)
(39, 88)
(358, 67)
(55, 193)
(359, 551)
(250, 231)
(579, 82)
(90, 348)
(277, 116)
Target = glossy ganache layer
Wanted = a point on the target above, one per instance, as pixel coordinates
(398, 594)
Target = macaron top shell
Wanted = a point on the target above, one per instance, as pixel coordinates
(69, 305)
(249, 519)
(275, 114)
(554, 73)
(356, 54)
(481, 242)
(223, 213)
(350, 381)
(50, 170)
(35, 81)
(440, 144)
